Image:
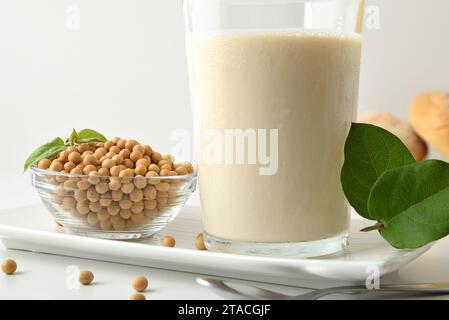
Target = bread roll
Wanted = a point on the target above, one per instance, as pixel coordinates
(429, 116)
(400, 129)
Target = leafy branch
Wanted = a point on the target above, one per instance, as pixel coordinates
(58, 145)
(382, 181)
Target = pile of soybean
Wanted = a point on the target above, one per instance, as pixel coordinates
(115, 185)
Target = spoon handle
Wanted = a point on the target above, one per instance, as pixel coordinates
(425, 288)
(234, 290)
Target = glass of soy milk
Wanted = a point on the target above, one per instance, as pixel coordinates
(274, 89)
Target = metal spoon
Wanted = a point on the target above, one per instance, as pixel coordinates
(233, 290)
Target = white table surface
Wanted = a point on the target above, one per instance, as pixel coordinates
(43, 276)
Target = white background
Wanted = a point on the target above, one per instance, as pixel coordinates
(124, 71)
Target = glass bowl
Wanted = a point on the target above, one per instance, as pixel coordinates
(112, 207)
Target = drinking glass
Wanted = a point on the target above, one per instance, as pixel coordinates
(274, 89)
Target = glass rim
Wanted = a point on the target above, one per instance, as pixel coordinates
(36, 170)
(359, 5)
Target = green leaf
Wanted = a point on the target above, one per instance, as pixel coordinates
(73, 138)
(45, 151)
(412, 203)
(369, 152)
(89, 135)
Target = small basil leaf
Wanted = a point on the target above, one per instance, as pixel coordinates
(89, 135)
(369, 152)
(45, 151)
(412, 203)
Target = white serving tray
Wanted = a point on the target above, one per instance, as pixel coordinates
(33, 229)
